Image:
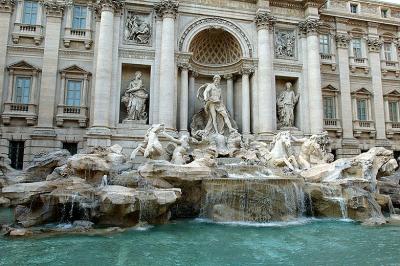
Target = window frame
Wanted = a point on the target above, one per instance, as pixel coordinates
(332, 112)
(17, 92)
(32, 15)
(366, 111)
(325, 43)
(81, 19)
(388, 53)
(355, 49)
(396, 114)
(356, 6)
(67, 90)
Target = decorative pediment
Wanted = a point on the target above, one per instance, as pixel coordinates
(362, 91)
(393, 94)
(330, 88)
(23, 65)
(74, 69)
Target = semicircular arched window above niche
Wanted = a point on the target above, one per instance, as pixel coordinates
(215, 47)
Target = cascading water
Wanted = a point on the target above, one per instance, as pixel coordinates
(254, 200)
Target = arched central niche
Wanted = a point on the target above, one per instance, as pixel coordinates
(215, 48)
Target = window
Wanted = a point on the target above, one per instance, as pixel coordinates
(354, 8)
(71, 147)
(16, 154)
(22, 89)
(324, 44)
(384, 13)
(388, 51)
(357, 52)
(79, 17)
(394, 111)
(30, 12)
(362, 109)
(74, 88)
(329, 108)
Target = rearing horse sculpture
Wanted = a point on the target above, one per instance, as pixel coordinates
(281, 153)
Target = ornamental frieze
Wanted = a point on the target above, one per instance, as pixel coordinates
(137, 29)
(7, 5)
(54, 8)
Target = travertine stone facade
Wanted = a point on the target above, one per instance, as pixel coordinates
(66, 65)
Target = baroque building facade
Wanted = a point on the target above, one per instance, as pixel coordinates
(77, 74)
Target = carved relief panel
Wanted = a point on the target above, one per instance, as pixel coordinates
(137, 28)
(285, 44)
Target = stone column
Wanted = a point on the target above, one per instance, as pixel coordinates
(229, 94)
(315, 111)
(266, 92)
(6, 8)
(343, 41)
(156, 92)
(168, 10)
(192, 94)
(19, 10)
(62, 91)
(104, 67)
(54, 13)
(184, 97)
(374, 47)
(245, 72)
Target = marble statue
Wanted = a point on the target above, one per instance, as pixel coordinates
(313, 151)
(151, 147)
(181, 147)
(135, 99)
(137, 30)
(286, 102)
(281, 154)
(214, 117)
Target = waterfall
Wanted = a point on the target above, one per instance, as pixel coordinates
(253, 200)
(335, 193)
(391, 207)
(104, 181)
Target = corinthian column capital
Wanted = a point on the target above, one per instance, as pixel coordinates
(167, 8)
(343, 40)
(264, 20)
(310, 26)
(374, 45)
(54, 8)
(112, 5)
(7, 5)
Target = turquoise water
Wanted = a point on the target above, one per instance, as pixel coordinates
(197, 242)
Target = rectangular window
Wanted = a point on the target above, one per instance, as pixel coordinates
(357, 48)
(329, 108)
(79, 17)
(388, 51)
(73, 93)
(16, 154)
(22, 89)
(324, 44)
(30, 12)
(71, 147)
(394, 111)
(354, 8)
(362, 111)
(384, 13)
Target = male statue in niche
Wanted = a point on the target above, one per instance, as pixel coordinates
(214, 107)
(286, 102)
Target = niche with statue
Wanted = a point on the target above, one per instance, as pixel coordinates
(135, 94)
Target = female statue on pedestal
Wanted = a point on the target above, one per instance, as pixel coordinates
(135, 98)
(287, 100)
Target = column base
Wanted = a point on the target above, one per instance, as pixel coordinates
(98, 136)
(350, 148)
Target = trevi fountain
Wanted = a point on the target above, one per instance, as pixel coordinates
(208, 197)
